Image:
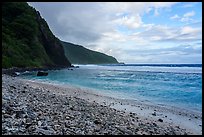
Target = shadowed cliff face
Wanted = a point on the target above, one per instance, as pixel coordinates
(52, 45)
(27, 40)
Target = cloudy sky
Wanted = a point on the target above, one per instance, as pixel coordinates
(135, 32)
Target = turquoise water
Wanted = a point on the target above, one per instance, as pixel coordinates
(179, 86)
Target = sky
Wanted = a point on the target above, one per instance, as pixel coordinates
(132, 32)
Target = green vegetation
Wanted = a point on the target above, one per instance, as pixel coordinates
(27, 40)
(79, 55)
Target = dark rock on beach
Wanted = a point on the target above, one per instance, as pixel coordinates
(160, 120)
(41, 73)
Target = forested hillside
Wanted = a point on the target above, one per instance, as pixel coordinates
(79, 55)
(27, 40)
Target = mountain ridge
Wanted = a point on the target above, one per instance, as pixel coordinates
(78, 54)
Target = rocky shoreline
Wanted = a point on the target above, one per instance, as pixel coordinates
(12, 71)
(33, 109)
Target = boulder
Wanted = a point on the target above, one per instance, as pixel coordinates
(41, 73)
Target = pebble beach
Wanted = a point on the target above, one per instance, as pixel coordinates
(34, 108)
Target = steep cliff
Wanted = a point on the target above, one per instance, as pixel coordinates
(27, 40)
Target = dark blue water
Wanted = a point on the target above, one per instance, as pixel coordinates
(158, 65)
(169, 84)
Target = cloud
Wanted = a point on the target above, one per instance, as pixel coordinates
(186, 16)
(119, 29)
(177, 54)
(83, 22)
(189, 30)
(148, 48)
(75, 22)
(174, 17)
(132, 22)
(189, 5)
(172, 34)
(156, 13)
(189, 14)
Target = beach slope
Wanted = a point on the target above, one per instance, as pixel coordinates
(34, 108)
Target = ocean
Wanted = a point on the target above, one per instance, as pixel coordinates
(178, 85)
